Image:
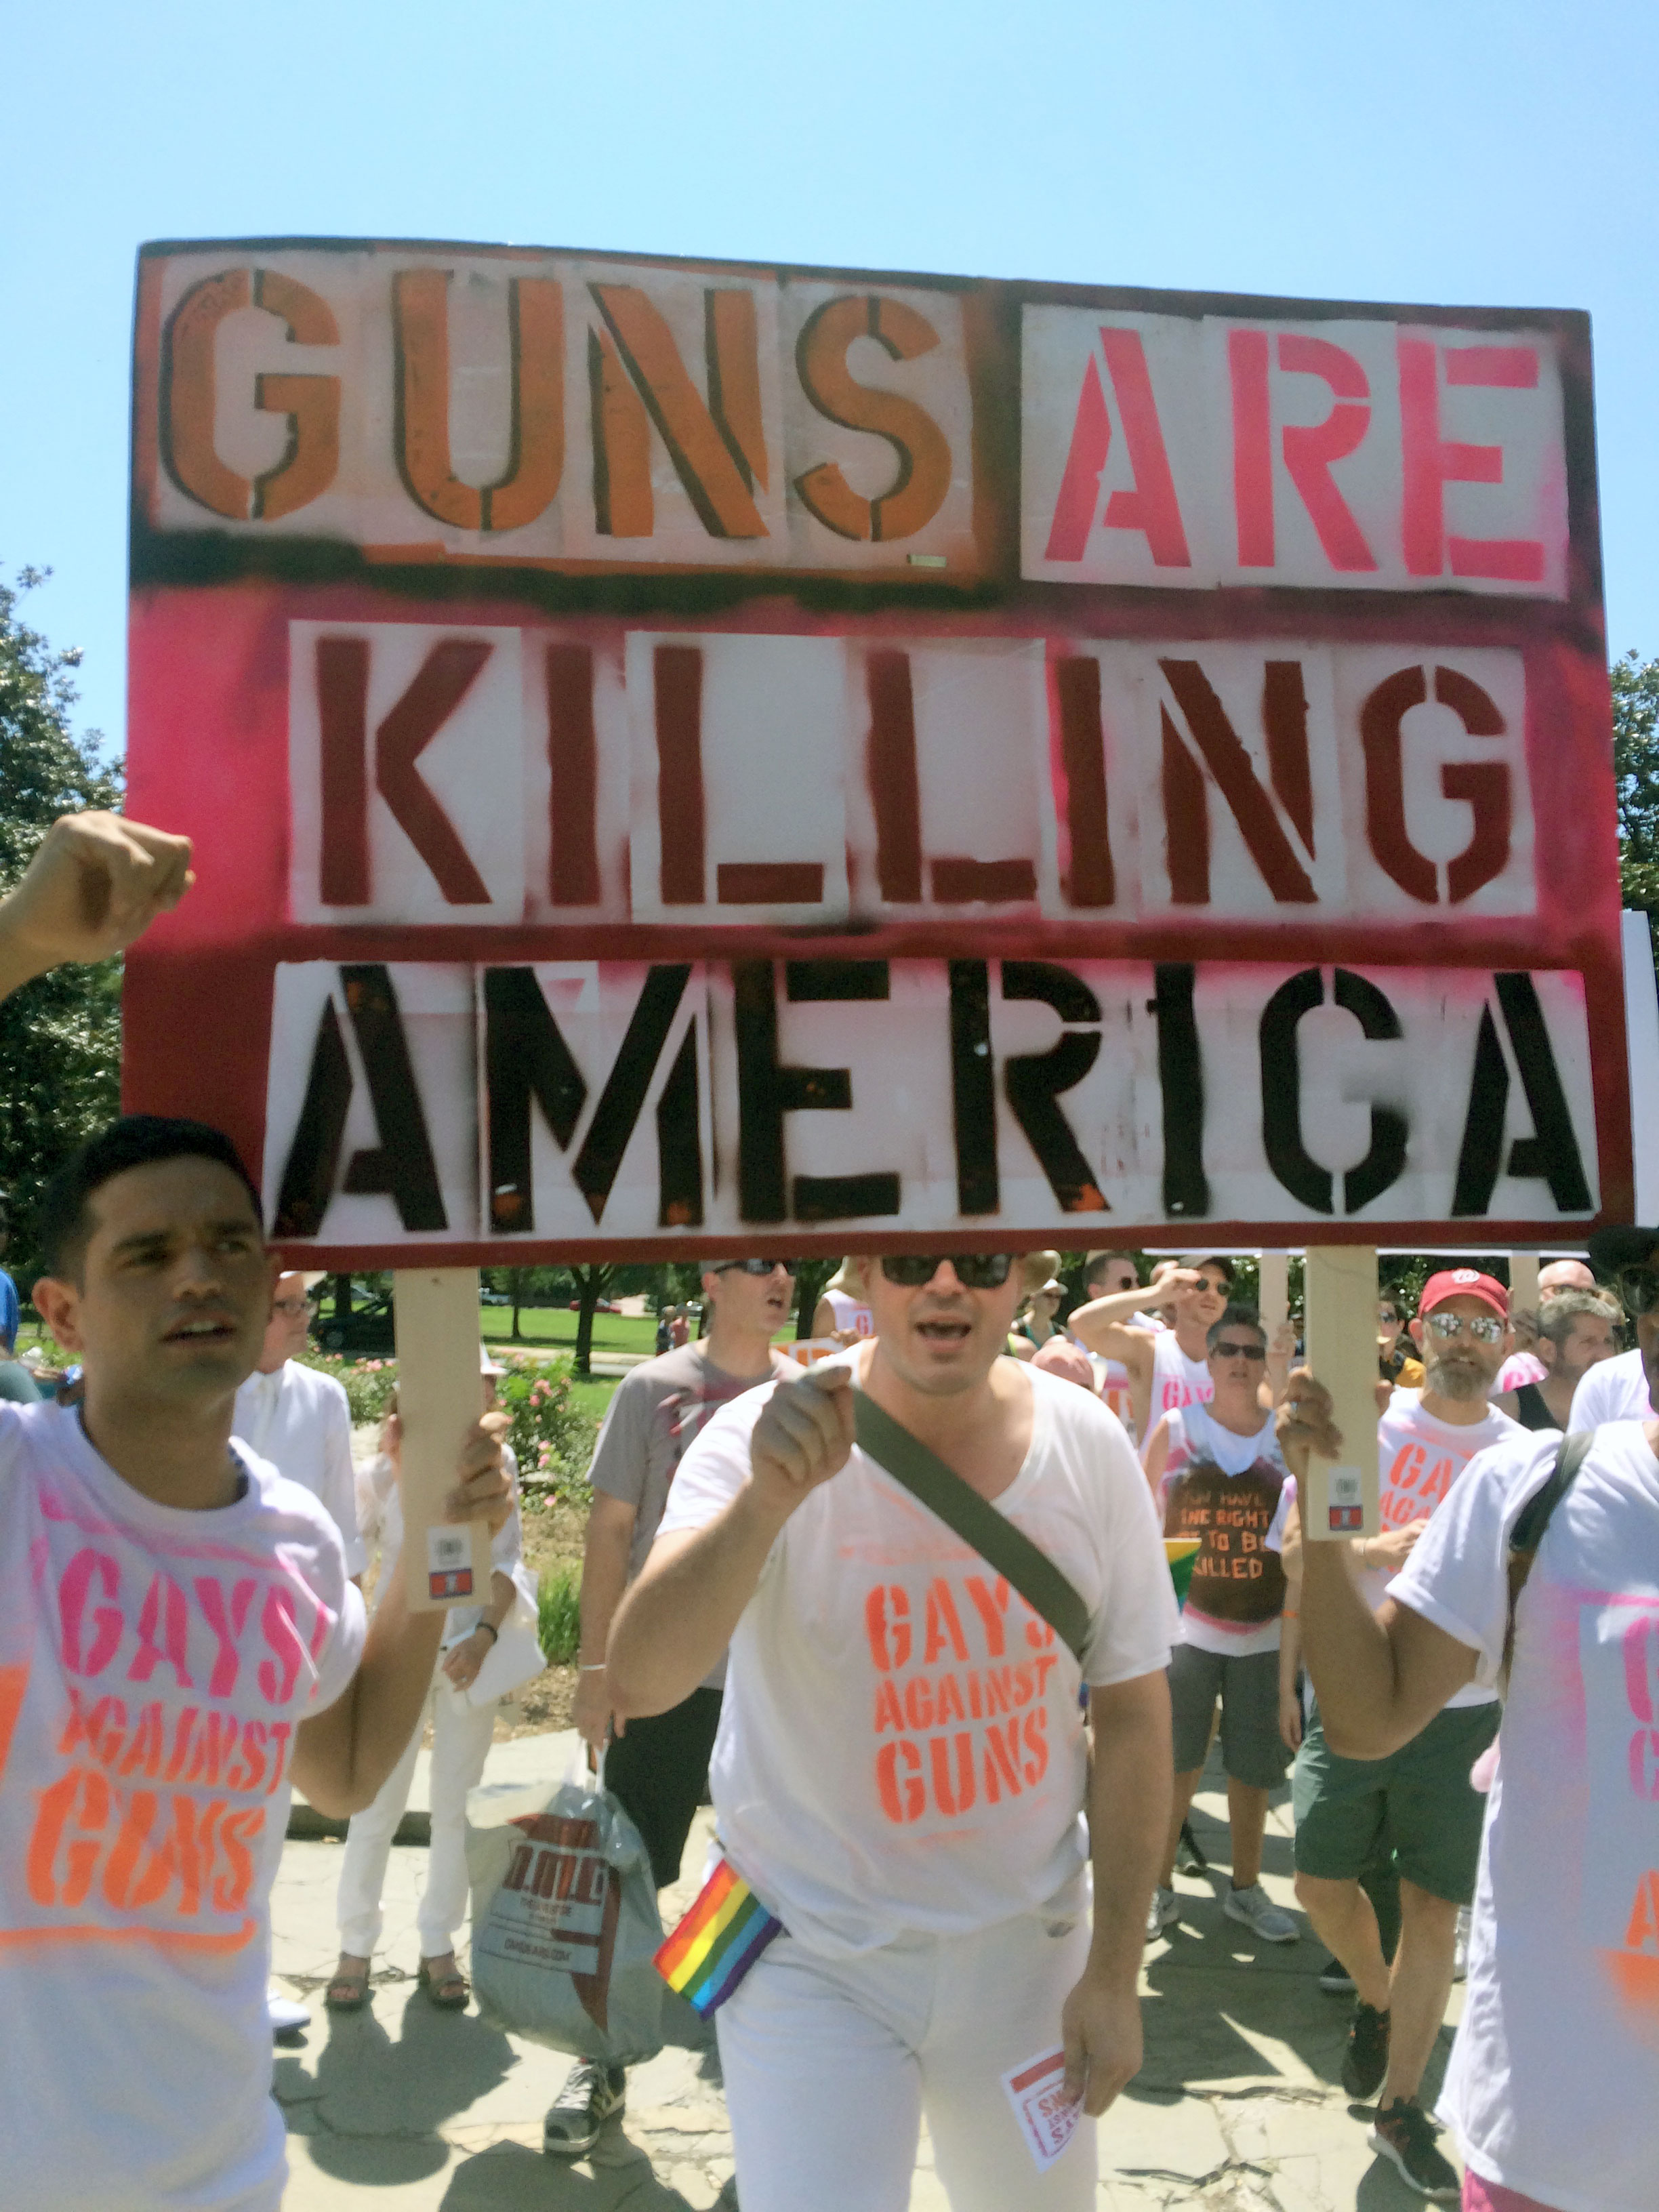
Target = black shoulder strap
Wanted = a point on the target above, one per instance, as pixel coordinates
(1534, 1518)
(975, 1519)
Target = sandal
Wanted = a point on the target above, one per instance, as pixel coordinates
(349, 1990)
(449, 1991)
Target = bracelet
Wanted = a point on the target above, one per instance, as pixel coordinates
(1289, 1613)
(598, 1667)
(495, 1633)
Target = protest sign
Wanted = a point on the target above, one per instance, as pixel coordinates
(688, 755)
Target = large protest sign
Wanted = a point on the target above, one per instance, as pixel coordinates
(687, 754)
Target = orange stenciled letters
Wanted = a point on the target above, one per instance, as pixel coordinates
(1643, 1934)
(84, 1793)
(887, 1622)
(910, 1805)
(992, 1607)
(943, 1622)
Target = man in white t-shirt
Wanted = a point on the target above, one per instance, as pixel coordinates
(179, 1642)
(1421, 1799)
(1218, 1476)
(1171, 1368)
(1106, 1273)
(900, 1772)
(300, 1422)
(1618, 1389)
(299, 1418)
(1553, 2085)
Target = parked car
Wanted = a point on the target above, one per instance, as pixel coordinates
(604, 1305)
(369, 1330)
(493, 1298)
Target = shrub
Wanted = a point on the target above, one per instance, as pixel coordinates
(550, 1433)
(369, 1383)
(559, 1606)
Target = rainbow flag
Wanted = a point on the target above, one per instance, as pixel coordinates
(1180, 1551)
(718, 1942)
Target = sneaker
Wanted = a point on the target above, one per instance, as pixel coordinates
(1461, 1953)
(1405, 2135)
(589, 2098)
(1336, 1979)
(1260, 1915)
(1365, 2060)
(1163, 1912)
(286, 2017)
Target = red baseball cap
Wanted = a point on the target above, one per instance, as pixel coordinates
(1464, 1282)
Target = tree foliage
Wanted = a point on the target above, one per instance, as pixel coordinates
(60, 1036)
(1636, 772)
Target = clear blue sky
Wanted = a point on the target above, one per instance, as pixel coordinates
(1461, 150)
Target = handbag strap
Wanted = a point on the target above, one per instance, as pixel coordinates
(975, 1519)
(1534, 1518)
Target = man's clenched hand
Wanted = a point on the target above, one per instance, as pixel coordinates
(804, 1436)
(96, 883)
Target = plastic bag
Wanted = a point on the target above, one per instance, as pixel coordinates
(565, 1925)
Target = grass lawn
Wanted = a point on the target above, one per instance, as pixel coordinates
(556, 1328)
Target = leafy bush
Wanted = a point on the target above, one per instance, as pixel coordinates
(559, 1605)
(551, 1434)
(369, 1383)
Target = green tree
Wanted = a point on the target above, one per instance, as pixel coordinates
(60, 1036)
(1636, 772)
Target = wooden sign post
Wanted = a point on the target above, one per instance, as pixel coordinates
(439, 1397)
(1341, 1497)
(1273, 1297)
(1523, 1280)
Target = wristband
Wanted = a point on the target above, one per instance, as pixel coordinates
(1288, 1612)
(598, 1667)
(490, 1628)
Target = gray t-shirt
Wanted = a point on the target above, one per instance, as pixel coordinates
(658, 1408)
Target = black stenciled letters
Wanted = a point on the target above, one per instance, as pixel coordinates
(1281, 1094)
(1552, 1154)
(401, 1166)
(767, 1091)
(1034, 1080)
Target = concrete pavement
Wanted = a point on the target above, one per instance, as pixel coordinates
(404, 2109)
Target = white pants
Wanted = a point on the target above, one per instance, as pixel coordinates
(829, 2066)
(461, 1736)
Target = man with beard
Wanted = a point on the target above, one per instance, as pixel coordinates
(1170, 1368)
(1576, 1332)
(1419, 1795)
(902, 1763)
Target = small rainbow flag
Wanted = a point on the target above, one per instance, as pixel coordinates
(1180, 1551)
(718, 1942)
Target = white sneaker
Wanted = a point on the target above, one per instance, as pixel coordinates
(1461, 1953)
(1260, 1915)
(1163, 1912)
(286, 2017)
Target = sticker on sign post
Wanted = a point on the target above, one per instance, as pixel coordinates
(448, 1562)
(1347, 1501)
(1047, 2116)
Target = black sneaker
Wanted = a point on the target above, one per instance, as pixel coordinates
(1336, 1979)
(1405, 2135)
(589, 2098)
(1366, 2061)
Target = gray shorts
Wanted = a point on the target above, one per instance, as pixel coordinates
(1252, 1749)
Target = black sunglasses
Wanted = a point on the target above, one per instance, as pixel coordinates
(1240, 1351)
(1639, 1289)
(754, 1267)
(975, 1271)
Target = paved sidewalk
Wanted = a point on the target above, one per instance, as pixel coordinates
(404, 2109)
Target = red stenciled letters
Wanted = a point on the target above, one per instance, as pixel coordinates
(73, 1591)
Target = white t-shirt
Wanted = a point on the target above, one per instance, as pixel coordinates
(1418, 1459)
(1176, 1380)
(300, 1421)
(154, 1666)
(1613, 1390)
(1229, 1492)
(1553, 2084)
(902, 1746)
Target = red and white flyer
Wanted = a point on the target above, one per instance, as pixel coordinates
(1047, 2116)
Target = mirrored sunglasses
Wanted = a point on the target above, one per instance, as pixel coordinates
(975, 1271)
(1485, 1327)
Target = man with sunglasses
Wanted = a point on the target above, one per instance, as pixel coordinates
(901, 1770)
(1218, 1475)
(1420, 1796)
(1170, 1368)
(658, 1767)
(1616, 1389)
